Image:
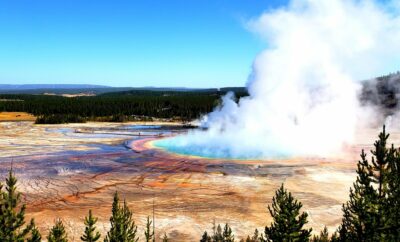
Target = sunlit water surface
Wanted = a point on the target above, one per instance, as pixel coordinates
(178, 145)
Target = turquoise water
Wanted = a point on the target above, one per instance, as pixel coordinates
(175, 145)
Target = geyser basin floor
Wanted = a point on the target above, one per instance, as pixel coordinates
(63, 174)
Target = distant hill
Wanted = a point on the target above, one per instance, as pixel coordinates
(72, 89)
(48, 86)
(240, 91)
(56, 89)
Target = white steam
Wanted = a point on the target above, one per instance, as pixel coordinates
(303, 88)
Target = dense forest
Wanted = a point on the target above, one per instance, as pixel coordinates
(372, 212)
(117, 107)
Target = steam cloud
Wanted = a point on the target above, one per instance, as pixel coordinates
(303, 89)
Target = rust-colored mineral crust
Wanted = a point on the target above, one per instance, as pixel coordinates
(63, 172)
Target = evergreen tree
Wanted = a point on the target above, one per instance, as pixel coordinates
(218, 236)
(393, 202)
(12, 220)
(123, 228)
(165, 238)
(369, 214)
(335, 237)
(288, 222)
(205, 237)
(35, 235)
(343, 233)
(323, 236)
(227, 234)
(148, 234)
(116, 224)
(254, 238)
(57, 233)
(90, 234)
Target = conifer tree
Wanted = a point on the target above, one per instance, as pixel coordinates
(288, 222)
(323, 236)
(12, 220)
(256, 235)
(57, 233)
(254, 238)
(367, 216)
(90, 233)
(227, 234)
(344, 233)
(165, 238)
(205, 237)
(218, 236)
(116, 224)
(393, 202)
(148, 234)
(123, 228)
(35, 234)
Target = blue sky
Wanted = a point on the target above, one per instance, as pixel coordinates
(192, 43)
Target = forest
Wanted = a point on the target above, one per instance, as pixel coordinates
(372, 212)
(133, 105)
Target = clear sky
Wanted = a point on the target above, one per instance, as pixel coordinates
(191, 43)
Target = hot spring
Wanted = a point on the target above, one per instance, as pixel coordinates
(180, 146)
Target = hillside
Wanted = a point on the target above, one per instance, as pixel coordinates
(382, 91)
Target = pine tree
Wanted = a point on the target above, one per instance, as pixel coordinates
(165, 238)
(344, 233)
(90, 233)
(116, 224)
(393, 202)
(323, 236)
(335, 237)
(11, 220)
(227, 234)
(123, 228)
(288, 222)
(367, 214)
(254, 238)
(57, 233)
(205, 237)
(148, 234)
(218, 236)
(35, 235)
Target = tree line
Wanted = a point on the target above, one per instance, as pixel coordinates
(137, 105)
(372, 212)
(58, 109)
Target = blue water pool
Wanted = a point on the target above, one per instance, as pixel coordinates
(179, 145)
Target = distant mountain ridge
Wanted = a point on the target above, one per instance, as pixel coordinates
(48, 86)
(59, 89)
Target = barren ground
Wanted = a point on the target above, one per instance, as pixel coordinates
(16, 116)
(64, 170)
